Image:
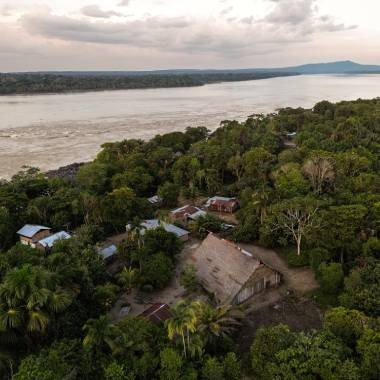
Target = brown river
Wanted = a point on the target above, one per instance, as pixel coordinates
(53, 130)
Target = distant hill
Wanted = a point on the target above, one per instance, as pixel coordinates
(340, 67)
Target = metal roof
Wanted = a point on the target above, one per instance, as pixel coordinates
(152, 224)
(49, 241)
(155, 199)
(29, 230)
(108, 251)
(157, 313)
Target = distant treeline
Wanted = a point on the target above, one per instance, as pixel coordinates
(32, 83)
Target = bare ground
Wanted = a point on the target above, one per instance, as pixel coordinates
(299, 280)
(300, 314)
(170, 295)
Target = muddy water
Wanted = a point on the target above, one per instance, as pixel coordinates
(54, 130)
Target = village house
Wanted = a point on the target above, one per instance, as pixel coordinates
(152, 224)
(47, 243)
(186, 213)
(230, 273)
(30, 234)
(222, 204)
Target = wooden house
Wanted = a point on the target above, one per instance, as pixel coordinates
(222, 204)
(30, 234)
(230, 273)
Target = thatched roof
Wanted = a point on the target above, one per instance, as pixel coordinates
(223, 267)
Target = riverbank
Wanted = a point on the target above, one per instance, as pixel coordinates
(37, 83)
(51, 131)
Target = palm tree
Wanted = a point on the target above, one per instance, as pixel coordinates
(29, 298)
(100, 333)
(182, 323)
(127, 278)
(219, 321)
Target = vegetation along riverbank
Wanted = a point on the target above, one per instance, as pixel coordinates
(112, 269)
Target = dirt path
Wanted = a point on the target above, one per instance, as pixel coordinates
(300, 280)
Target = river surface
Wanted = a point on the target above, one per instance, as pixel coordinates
(53, 130)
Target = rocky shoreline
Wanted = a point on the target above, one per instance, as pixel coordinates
(67, 172)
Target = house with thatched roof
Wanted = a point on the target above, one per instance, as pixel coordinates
(229, 272)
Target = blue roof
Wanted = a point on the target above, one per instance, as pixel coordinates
(108, 251)
(29, 230)
(49, 241)
(152, 224)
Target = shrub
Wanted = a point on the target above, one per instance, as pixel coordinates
(295, 260)
(330, 277)
(317, 256)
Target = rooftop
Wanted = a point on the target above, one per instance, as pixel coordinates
(188, 211)
(29, 230)
(157, 313)
(49, 241)
(108, 251)
(152, 224)
(223, 267)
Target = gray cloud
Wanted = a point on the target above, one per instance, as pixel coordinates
(224, 38)
(302, 15)
(93, 10)
(124, 3)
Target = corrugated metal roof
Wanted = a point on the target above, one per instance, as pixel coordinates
(50, 240)
(108, 251)
(152, 224)
(29, 230)
(155, 199)
(157, 313)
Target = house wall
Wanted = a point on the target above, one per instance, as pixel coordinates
(38, 236)
(260, 280)
(222, 208)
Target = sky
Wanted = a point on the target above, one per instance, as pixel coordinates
(166, 34)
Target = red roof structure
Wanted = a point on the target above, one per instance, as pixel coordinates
(157, 313)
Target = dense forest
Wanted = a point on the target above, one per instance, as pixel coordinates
(308, 181)
(32, 83)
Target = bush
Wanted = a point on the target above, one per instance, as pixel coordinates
(189, 279)
(295, 260)
(157, 271)
(330, 277)
(317, 256)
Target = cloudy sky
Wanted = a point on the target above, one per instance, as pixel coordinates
(156, 34)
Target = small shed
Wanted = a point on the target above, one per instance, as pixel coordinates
(222, 204)
(229, 272)
(157, 313)
(30, 234)
(48, 242)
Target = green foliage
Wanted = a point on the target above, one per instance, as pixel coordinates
(169, 193)
(157, 271)
(171, 365)
(189, 279)
(330, 277)
(213, 370)
(204, 224)
(362, 289)
(59, 361)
